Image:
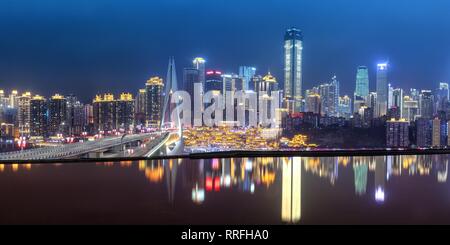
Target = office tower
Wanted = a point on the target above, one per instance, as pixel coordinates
(139, 107)
(293, 45)
(345, 106)
(57, 109)
(410, 108)
(313, 103)
(75, 115)
(246, 73)
(423, 132)
(442, 115)
(415, 94)
(199, 64)
(436, 132)
(442, 97)
(397, 133)
(214, 81)
(362, 87)
(382, 90)
(170, 86)
(329, 94)
(397, 100)
(153, 102)
(232, 82)
(426, 103)
(23, 114)
(13, 96)
(125, 112)
(190, 77)
(104, 111)
(38, 114)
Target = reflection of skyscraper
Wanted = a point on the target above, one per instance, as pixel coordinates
(170, 172)
(380, 178)
(291, 190)
(360, 169)
(293, 45)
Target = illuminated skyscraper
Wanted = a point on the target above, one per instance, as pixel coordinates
(75, 115)
(362, 87)
(57, 107)
(214, 81)
(436, 132)
(312, 103)
(104, 110)
(199, 64)
(410, 108)
(153, 103)
(246, 73)
(23, 114)
(38, 111)
(139, 107)
(382, 90)
(125, 111)
(293, 45)
(426, 103)
(397, 133)
(442, 97)
(345, 107)
(13, 99)
(329, 95)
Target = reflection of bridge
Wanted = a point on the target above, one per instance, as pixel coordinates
(115, 146)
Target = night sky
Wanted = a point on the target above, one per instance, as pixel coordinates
(90, 46)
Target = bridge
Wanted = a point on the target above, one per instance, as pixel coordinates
(115, 146)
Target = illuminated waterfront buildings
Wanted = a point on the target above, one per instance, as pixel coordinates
(140, 107)
(125, 112)
(329, 96)
(426, 103)
(293, 48)
(104, 112)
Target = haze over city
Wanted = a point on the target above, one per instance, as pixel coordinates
(109, 46)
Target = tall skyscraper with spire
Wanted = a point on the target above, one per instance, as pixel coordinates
(170, 87)
(361, 88)
(293, 45)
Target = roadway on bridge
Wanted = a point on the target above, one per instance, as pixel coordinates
(68, 151)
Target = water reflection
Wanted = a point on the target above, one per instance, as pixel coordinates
(283, 178)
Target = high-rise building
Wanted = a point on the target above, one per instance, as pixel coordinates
(23, 114)
(104, 110)
(293, 46)
(345, 107)
(397, 133)
(362, 84)
(423, 132)
(88, 120)
(13, 97)
(199, 64)
(57, 109)
(246, 73)
(397, 100)
(75, 115)
(382, 90)
(140, 106)
(426, 103)
(214, 81)
(38, 114)
(125, 112)
(329, 95)
(313, 103)
(154, 99)
(436, 132)
(442, 97)
(190, 77)
(410, 108)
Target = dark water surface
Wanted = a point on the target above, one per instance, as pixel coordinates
(299, 190)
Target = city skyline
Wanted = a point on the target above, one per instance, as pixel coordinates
(67, 66)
